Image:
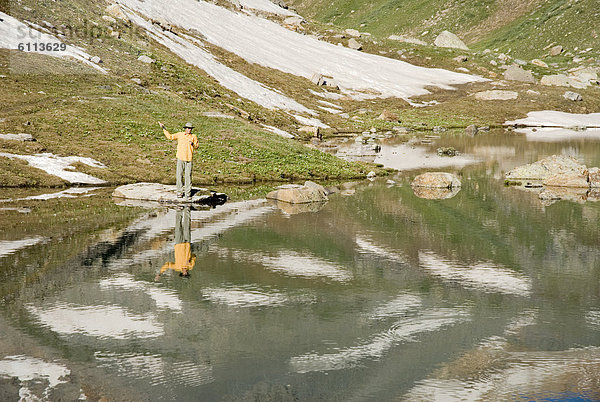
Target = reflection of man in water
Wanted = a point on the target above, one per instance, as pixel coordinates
(184, 259)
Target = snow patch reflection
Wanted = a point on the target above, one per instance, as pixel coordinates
(30, 370)
(403, 331)
(485, 276)
(97, 321)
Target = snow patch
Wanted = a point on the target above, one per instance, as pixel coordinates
(277, 131)
(551, 118)
(268, 44)
(190, 50)
(61, 166)
(310, 121)
(266, 6)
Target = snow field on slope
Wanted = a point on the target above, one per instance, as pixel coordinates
(268, 44)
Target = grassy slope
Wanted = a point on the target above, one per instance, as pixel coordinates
(526, 27)
(74, 111)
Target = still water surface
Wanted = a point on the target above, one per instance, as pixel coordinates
(376, 295)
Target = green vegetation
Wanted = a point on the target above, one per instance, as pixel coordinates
(525, 28)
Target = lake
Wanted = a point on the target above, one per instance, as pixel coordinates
(376, 295)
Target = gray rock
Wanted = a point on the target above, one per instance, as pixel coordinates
(543, 169)
(572, 96)
(137, 81)
(17, 137)
(461, 58)
(371, 175)
(556, 50)
(471, 130)
(496, 95)
(322, 80)
(449, 40)
(539, 63)
(560, 80)
(354, 44)
(109, 19)
(166, 194)
(310, 192)
(96, 60)
(515, 73)
(293, 21)
(436, 180)
(146, 59)
(352, 32)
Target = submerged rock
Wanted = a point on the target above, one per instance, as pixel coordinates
(543, 169)
(296, 194)
(436, 180)
(167, 194)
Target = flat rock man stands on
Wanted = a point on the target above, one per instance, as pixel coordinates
(187, 143)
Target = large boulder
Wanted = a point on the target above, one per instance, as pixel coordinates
(164, 193)
(559, 80)
(448, 39)
(295, 194)
(543, 169)
(516, 73)
(354, 44)
(436, 180)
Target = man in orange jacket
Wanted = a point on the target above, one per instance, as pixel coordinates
(187, 143)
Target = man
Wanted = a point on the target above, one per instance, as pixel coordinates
(187, 143)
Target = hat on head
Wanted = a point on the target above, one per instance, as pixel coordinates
(188, 125)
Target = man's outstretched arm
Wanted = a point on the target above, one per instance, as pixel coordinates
(166, 132)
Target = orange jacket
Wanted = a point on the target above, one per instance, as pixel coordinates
(183, 259)
(186, 144)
